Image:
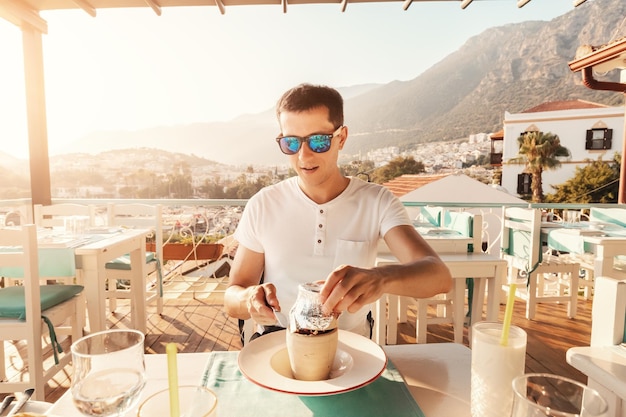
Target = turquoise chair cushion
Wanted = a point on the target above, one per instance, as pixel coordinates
(608, 215)
(12, 300)
(432, 215)
(460, 222)
(12, 305)
(123, 262)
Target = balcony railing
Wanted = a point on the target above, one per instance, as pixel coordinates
(220, 217)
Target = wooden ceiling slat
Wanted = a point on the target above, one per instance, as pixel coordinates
(155, 6)
(88, 8)
(20, 13)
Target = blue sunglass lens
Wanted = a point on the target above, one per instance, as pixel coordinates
(290, 144)
(319, 143)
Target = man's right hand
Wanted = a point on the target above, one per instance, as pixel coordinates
(260, 301)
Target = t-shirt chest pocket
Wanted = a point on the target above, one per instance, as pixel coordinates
(351, 252)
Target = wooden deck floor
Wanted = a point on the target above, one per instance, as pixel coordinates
(198, 324)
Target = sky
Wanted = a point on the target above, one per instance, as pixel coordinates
(129, 69)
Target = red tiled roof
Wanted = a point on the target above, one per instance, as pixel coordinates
(564, 105)
(406, 183)
(497, 135)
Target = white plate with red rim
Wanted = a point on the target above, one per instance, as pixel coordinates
(358, 361)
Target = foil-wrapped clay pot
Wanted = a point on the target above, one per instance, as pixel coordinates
(312, 336)
(306, 315)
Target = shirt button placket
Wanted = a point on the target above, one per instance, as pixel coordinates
(320, 231)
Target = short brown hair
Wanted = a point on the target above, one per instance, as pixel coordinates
(307, 96)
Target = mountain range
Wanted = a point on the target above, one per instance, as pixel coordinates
(507, 68)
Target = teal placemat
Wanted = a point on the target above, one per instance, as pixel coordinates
(237, 397)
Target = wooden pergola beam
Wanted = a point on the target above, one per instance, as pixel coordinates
(88, 8)
(36, 116)
(155, 6)
(220, 6)
(19, 14)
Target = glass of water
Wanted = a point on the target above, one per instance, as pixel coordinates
(109, 372)
(547, 395)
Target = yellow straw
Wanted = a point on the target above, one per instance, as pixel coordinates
(172, 377)
(508, 315)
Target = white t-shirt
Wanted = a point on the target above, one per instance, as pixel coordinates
(304, 241)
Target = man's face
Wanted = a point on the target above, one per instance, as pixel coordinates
(314, 169)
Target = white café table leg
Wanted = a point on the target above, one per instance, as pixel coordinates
(93, 281)
(93, 258)
(605, 250)
(139, 316)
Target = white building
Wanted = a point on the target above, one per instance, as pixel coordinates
(590, 131)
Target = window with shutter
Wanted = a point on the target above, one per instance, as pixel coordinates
(524, 182)
(599, 139)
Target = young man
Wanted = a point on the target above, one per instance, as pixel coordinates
(322, 225)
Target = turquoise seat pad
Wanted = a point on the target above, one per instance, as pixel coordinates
(123, 262)
(12, 305)
(12, 300)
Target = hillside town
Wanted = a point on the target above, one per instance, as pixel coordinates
(437, 156)
(108, 175)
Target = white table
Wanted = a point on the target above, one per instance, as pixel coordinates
(444, 240)
(579, 239)
(487, 270)
(437, 375)
(605, 249)
(605, 367)
(92, 258)
(86, 257)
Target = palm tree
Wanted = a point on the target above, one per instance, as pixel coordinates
(539, 151)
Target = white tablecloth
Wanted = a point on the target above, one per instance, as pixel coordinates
(437, 375)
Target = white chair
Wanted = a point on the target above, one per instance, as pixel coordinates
(55, 215)
(464, 267)
(22, 214)
(522, 249)
(430, 214)
(483, 268)
(465, 224)
(247, 329)
(603, 361)
(615, 216)
(118, 271)
(608, 312)
(29, 311)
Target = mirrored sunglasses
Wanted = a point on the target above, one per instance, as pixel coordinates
(318, 143)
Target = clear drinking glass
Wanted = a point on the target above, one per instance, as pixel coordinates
(109, 372)
(546, 395)
(194, 401)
